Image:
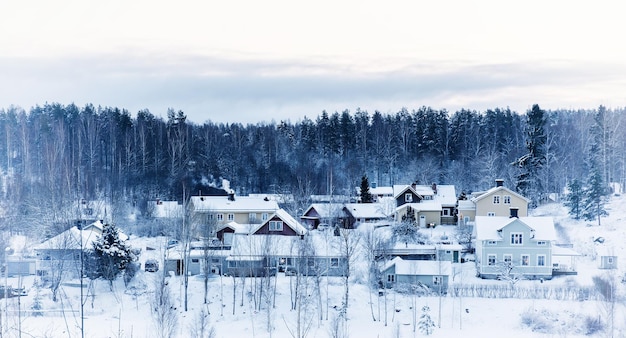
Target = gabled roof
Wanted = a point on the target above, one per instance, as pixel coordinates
(400, 189)
(419, 267)
(287, 219)
(493, 190)
(366, 210)
(72, 238)
(487, 227)
(240, 204)
(238, 228)
(326, 210)
(445, 195)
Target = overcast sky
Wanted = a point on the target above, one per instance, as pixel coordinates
(254, 61)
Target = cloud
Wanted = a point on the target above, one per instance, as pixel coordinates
(249, 90)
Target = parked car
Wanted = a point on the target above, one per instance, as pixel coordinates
(151, 265)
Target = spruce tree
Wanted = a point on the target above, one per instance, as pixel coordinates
(366, 196)
(531, 164)
(426, 323)
(595, 189)
(111, 254)
(574, 198)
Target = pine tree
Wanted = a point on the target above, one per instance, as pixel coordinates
(426, 324)
(574, 198)
(595, 190)
(528, 182)
(111, 254)
(366, 196)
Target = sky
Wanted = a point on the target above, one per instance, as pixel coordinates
(264, 61)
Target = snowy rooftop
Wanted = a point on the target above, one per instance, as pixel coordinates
(240, 203)
(419, 267)
(487, 227)
(366, 210)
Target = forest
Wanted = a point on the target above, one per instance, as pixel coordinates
(54, 155)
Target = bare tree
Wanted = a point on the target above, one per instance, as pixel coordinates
(349, 244)
(164, 310)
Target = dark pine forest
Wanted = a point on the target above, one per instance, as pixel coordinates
(53, 155)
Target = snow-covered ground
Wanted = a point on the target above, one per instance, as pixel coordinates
(127, 312)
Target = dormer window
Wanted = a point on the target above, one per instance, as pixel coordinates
(517, 238)
(408, 198)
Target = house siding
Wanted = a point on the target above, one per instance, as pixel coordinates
(486, 205)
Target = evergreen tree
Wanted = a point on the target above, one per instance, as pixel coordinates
(574, 198)
(595, 191)
(366, 196)
(426, 323)
(111, 254)
(528, 181)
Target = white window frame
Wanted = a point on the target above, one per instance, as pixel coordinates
(507, 259)
(525, 262)
(490, 258)
(391, 278)
(264, 216)
(496, 199)
(231, 217)
(491, 214)
(252, 217)
(408, 197)
(446, 212)
(220, 217)
(507, 199)
(276, 226)
(541, 260)
(517, 238)
(541, 243)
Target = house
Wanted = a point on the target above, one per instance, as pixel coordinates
(426, 204)
(67, 247)
(310, 254)
(330, 214)
(608, 259)
(526, 243)
(356, 213)
(218, 210)
(164, 209)
(497, 201)
(199, 261)
(429, 275)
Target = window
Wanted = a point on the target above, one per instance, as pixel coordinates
(507, 199)
(408, 197)
(525, 260)
(508, 259)
(232, 264)
(276, 225)
(496, 199)
(609, 260)
(231, 217)
(220, 217)
(210, 217)
(391, 278)
(517, 238)
(264, 216)
(215, 260)
(252, 217)
(195, 260)
(541, 242)
(492, 242)
(541, 260)
(491, 214)
(446, 212)
(334, 262)
(437, 280)
(310, 262)
(491, 260)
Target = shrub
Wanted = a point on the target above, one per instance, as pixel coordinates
(593, 325)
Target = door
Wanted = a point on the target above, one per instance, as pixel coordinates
(422, 221)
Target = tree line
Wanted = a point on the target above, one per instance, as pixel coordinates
(54, 154)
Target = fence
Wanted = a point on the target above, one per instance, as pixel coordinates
(521, 292)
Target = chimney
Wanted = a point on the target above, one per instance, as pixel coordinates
(413, 185)
(231, 195)
(514, 212)
(374, 184)
(499, 182)
(434, 186)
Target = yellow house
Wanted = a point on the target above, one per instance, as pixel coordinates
(497, 201)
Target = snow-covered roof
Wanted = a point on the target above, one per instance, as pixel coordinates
(382, 191)
(261, 245)
(419, 267)
(422, 206)
(240, 204)
(445, 195)
(327, 210)
(72, 238)
(477, 197)
(466, 205)
(366, 210)
(486, 227)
